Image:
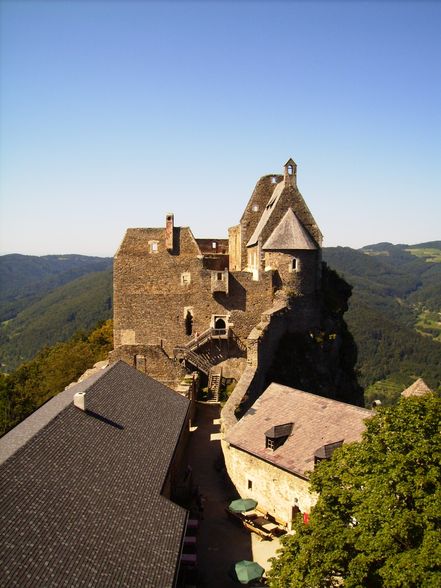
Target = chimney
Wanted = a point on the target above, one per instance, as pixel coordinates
(79, 400)
(169, 225)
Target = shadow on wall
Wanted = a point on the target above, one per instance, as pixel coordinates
(236, 298)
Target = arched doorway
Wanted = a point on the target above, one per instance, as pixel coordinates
(219, 323)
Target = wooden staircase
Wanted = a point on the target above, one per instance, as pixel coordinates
(214, 383)
(202, 352)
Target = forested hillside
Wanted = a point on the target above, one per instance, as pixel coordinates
(394, 313)
(47, 299)
(25, 389)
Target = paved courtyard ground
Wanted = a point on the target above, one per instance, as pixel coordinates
(220, 541)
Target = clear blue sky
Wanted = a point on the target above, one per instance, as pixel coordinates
(116, 112)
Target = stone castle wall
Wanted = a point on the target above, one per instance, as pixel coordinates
(276, 490)
(154, 289)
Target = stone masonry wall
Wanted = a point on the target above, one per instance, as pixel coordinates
(154, 289)
(276, 490)
(302, 280)
(150, 360)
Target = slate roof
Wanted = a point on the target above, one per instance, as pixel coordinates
(418, 388)
(80, 501)
(269, 208)
(289, 234)
(317, 422)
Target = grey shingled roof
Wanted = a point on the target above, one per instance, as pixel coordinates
(289, 234)
(81, 503)
(269, 208)
(317, 422)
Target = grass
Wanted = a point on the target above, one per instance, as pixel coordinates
(432, 255)
(429, 324)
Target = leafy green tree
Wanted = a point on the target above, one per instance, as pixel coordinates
(52, 369)
(377, 519)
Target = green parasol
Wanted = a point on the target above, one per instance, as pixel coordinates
(242, 505)
(246, 571)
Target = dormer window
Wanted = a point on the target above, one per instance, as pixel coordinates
(326, 451)
(255, 208)
(277, 435)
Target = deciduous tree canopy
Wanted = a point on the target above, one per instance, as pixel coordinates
(377, 519)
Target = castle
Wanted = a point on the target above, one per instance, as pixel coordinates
(199, 301)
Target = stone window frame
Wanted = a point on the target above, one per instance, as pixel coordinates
(185, 278)
(294, 265)
(153, 246)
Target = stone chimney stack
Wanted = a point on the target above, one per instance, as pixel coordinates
(169, 225)
(291, 173)
(79, 400)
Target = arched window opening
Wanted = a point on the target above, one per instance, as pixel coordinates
(219, 323)
(290, 170)
(188, 323)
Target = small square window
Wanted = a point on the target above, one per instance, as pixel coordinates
(213, 245)
(250, 485)
(185, 278)
(220, 276)
(153, 246)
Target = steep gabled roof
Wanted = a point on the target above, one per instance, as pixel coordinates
(289, 234)
(317, 422)
(81, 501)
(269, 208)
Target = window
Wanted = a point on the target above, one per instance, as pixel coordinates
(213, 245)
(185, 278)
(250, 484)
(153, 246)
(294, 265)
(290, 170)
(219, 276)
(270, 443)
(277, 435)
(188, 323)
(326, 451)
(274, 180)
(255, 208)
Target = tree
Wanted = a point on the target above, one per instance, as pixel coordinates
(377, 518)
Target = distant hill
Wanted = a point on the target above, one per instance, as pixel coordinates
(47, 299)
(394, 313)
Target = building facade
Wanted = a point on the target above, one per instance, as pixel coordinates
(179, 296)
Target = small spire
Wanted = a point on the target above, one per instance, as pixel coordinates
(291, 173)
